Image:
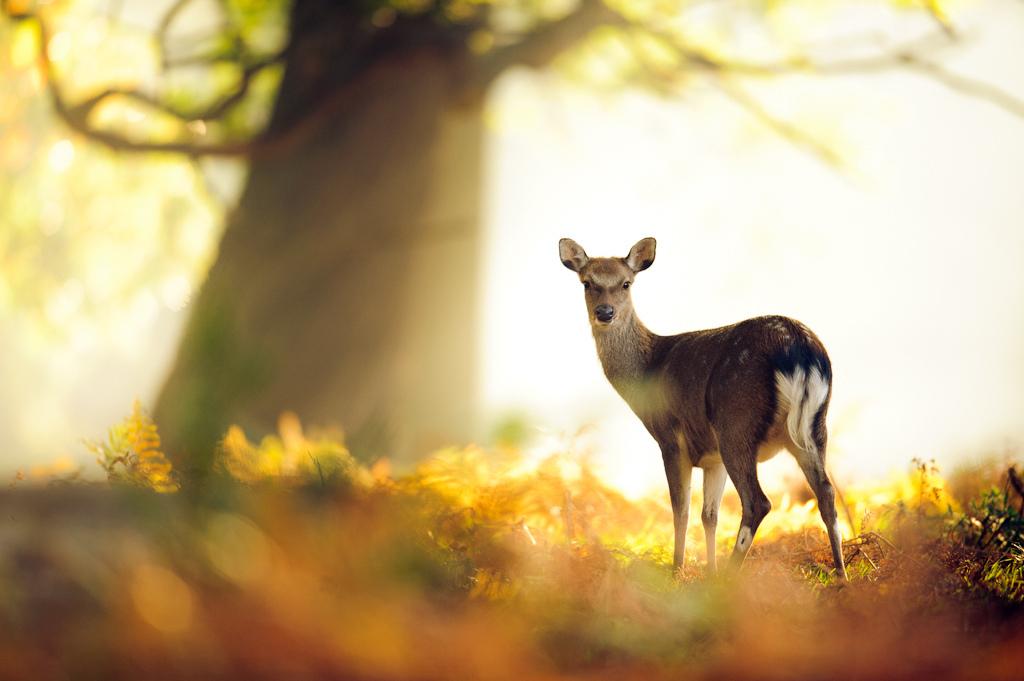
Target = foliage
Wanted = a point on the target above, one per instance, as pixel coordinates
(992, 533)
(76, 258)
(300, 562)
(184, 73)
(86, 272)
(132, 454)
(88, 264)
(289, 456)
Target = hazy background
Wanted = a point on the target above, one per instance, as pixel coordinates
(904, 256)
(907, 260)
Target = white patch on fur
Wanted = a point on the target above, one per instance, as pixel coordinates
(744, 539)
(714, 486)
(715, 478)
(800, 397)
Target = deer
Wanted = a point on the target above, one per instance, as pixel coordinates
(721, 399)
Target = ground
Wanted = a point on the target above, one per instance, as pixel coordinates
(295, 561)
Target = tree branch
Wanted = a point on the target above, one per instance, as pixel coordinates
(906, 56)
(544, 44)
(967, 86)
(536, 49)
(164, 28)
(909, 55)
(340, 87)
(168, 19)
(76, 116)
(782, 128)
(278, 138)
(939, 16)
(215, 111)
(541, 46)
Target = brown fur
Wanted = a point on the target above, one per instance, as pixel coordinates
(704, 392)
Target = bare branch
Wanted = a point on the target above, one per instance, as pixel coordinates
(909, 55)
(784, 129)
(968, 86)
(912, 58)
(544, 45)
(884, 59)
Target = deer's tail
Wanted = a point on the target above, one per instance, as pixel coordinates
(804, 388)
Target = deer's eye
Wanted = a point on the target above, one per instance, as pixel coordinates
(625, 284)
(586, 285)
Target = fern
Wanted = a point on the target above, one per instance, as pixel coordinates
(132, 454)
(290, 456)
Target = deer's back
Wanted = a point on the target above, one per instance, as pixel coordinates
(728, 376)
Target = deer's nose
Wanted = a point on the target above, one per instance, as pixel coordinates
(604, 313)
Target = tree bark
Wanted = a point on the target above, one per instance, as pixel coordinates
(344, 288)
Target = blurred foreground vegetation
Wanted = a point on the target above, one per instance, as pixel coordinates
(297, 561)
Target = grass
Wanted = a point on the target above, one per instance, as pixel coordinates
(297, 562)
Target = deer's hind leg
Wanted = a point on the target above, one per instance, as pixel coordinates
(811, 459)
(740, 458)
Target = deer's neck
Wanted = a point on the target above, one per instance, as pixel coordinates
(625, 350)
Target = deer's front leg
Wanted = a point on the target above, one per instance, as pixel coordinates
(678, 471)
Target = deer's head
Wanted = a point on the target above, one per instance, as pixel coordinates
(607, 281)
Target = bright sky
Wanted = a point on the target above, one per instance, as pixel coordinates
(908, 264)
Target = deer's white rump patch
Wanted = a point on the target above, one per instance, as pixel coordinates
(801, 395)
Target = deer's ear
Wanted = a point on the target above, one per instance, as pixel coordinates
(641, 256)
(572, 254)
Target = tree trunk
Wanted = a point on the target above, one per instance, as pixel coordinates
(345, 286)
